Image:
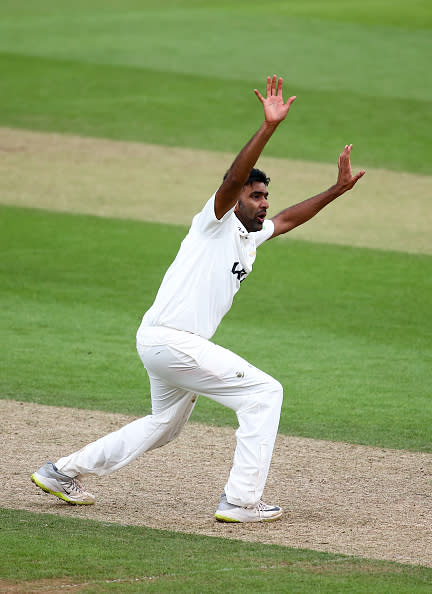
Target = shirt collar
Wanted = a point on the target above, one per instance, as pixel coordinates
(242, 229)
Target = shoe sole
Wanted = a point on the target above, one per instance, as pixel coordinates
(58, 493)
(221, 518)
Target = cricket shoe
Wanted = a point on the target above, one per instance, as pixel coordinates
(51, 480)
(261, 512)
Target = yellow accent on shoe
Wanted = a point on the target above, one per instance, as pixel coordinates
(76, 488)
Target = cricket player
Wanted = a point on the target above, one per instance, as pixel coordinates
(173, 340)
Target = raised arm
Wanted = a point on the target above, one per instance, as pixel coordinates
(275, 111)
(298, 214)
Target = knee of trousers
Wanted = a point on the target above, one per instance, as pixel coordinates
(269, 396)
(275, 393)
(167, 428)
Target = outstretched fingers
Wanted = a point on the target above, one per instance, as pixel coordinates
(344, 157)
(275, 110)
(359, 175)
(274, 89)
(290, 100)
(258, 94)
(268, 89)
(279, 92)
(279, 87)
(345, 171)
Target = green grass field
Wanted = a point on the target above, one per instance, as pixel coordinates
(346, 330)
(185, 76)
(144, 560)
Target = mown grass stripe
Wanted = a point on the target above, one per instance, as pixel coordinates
(185, 562)
(304, 48)
(387, 210)
(139, 104)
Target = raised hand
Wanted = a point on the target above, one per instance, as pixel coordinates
(346, 180)
(275, 110)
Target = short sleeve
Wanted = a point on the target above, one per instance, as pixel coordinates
(265, 233)
(206, 221)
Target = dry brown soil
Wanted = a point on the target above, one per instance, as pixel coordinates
(337, 497)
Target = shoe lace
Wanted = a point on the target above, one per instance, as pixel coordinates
(261, 506)
(75, 485)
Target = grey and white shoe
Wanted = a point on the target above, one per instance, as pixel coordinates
(261, 512)
(70, 489)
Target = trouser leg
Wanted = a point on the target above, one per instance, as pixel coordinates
(208, 369)
(191, 365)
(256, 435)
(120, 447)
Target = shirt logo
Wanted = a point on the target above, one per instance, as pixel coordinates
(240, 273)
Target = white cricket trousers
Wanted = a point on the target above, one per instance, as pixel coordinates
(181, 365)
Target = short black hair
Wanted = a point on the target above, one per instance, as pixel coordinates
(256, 175)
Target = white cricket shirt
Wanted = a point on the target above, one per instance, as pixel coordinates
(199, 286)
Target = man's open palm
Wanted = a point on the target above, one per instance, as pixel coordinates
(275, 110)
(346, 180)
